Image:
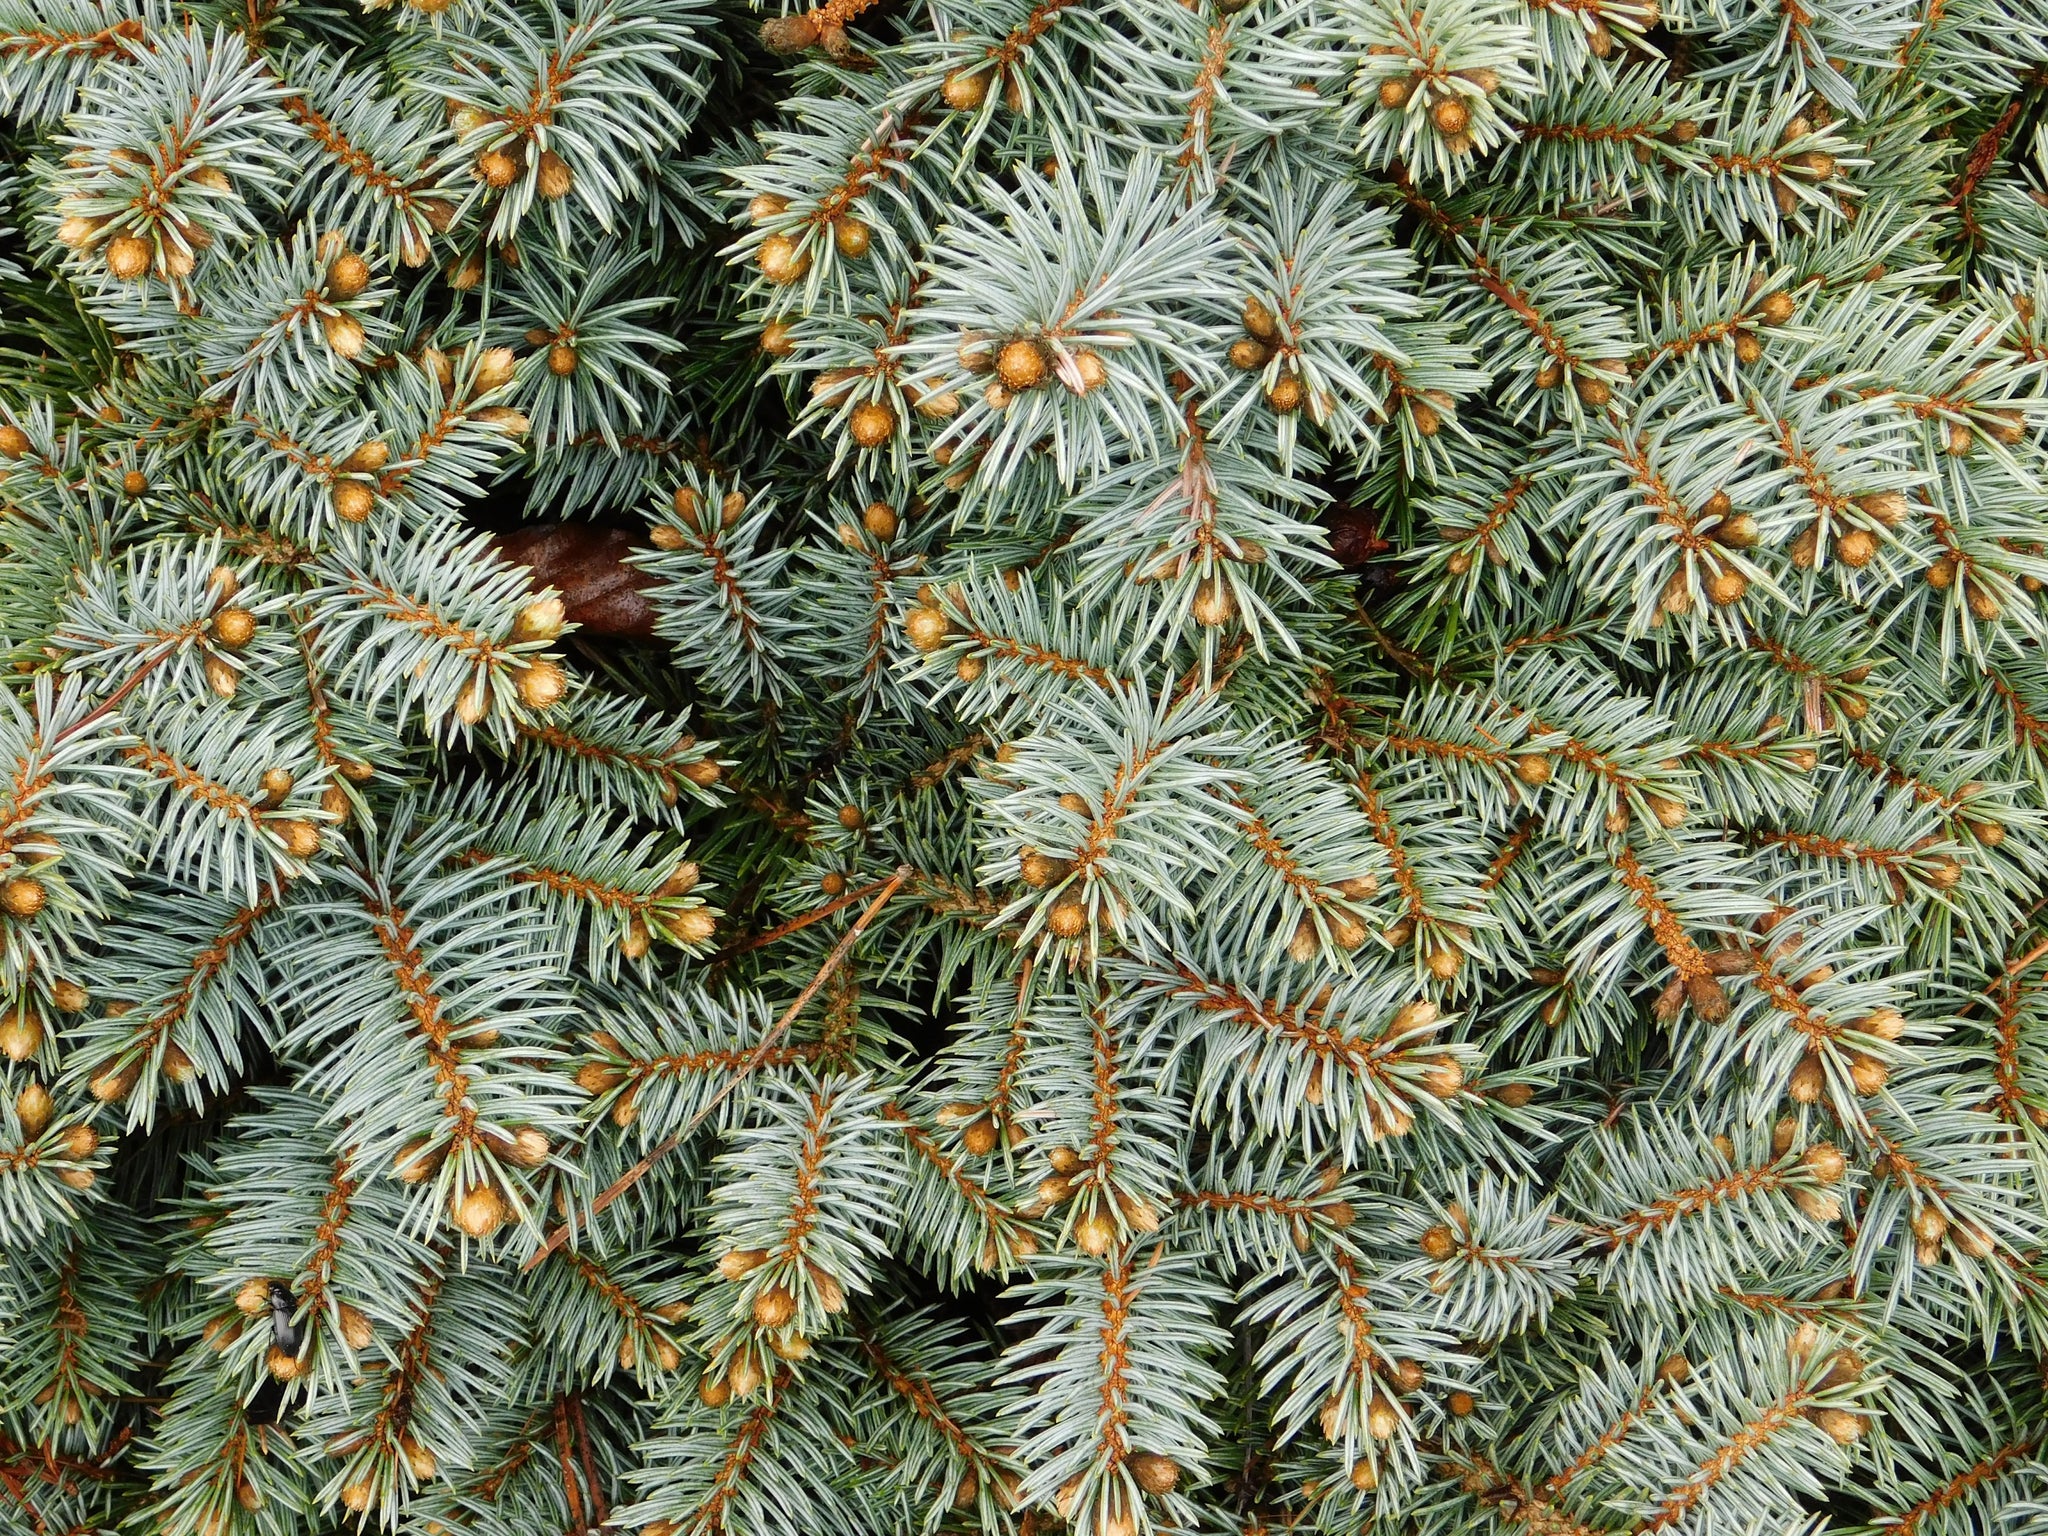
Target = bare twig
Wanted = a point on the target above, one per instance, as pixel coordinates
(784, 930)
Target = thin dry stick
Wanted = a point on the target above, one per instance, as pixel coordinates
(795, 924)
(668, 1144)
(2009, 977)
(111, 702)
(569, 1487)
(597, 1500)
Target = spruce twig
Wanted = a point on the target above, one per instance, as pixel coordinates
(668, 1144)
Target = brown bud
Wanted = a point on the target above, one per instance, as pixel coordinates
(1804, 1341)
(1983, 602)
(1023, 364)
(850, 237)
(1825, 1162)
(880, 520)
(178, 1067)
(127, 257)
(355, 1328)
(480, 1210)
(554, 178)
(1382, 1418)
(1857, 547)
(1443, 1076)
(541, 684)
(872, 424)
(1095, 1233)
(1215, 602)
(1249, 354)
(253, 1299)
(782, 260)
(1708, 997)
(738, 1263)
(1972, 1240)
(301, 839)
(1840, 1425)
(774, 1307)
(1669, 811)
(1815, 1206)
(34, 1107)
(353, 501)
(22, 896)
(1154, 1473)
(541, 619)
(1728, 587)
(693, 927)
(347, 275)
(496, 169)
(417, 1161)
(1412, 1019)
(344, 334)
(1258, 320)
(115, 1083)
(1867, 1074)
(1068, 918)
(368, 458)
(965, 89)
(1091, 369)
(527, 1148)
(1809, 1077)
(233, 628)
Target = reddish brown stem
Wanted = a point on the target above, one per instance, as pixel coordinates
(784, 930)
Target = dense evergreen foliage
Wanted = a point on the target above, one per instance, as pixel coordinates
(1023, 765)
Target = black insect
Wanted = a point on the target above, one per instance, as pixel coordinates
(282, 1334)
(267, 1406)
